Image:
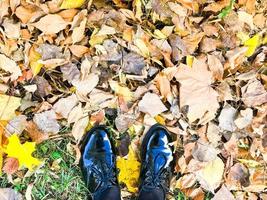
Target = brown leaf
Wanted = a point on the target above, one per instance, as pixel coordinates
(11, 166)
(35, 134)
(51, 24)
(253, 93)
(196, 91)
(223, 193)
(163, 84)
(216, 67)
(151, 104)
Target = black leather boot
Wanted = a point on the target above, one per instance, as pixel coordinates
(98, 164)
(156, 156)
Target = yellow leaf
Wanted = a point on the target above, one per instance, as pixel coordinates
(68, 4)
(142, 47)
(252, 44)
(34, 57)
(129, 171)
(121, 90)
(159, 34)
(189, 60)
(138, 9)
(250, 163)
(243, 37)
(211, 175)
(8, 105)
(160, 119)
(22, 152)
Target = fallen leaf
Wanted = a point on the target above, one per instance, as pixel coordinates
(34, 133)
(70, 72)
(227, 117)
(10, 194)
(196, 91)
(79, 127)
(12, 30)
(129, 170)
(45, 25)
(16, 125)
(253, 93)
(47, 122)
(164, 86)
(22, 152)
(252, 44)
(215, 67)
(85, 86)
(133, 64)
(106, 30)
(151, 104)
(78, 32)
(68, 4)
(64, 105)
(121, 90)
(211, 175)
(246, 18)
(10, 66)
(204, 152)
(8, 105)
(223, 193)
(11, 166)
(245, 118)
(34, 57)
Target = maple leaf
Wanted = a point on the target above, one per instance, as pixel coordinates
(196, 91)
(8, 105)
(129, 170)
(22, 152)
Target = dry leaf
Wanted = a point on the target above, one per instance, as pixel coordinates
(215, 67)
(223, 193)
(12, 30)
(211, 175)
(8, 105)
(16, 125)
(51, 24)
(79, 127)
(121, 90)
(253, 93)
(227, 117)
(151, 104)
(196, 91)
(79, 32)
(68, 4)
(47, 121)
(34, 133)
(64, 105)
(245, 118)
(133, 64)
(85, 86)
(10, 66)
(11, 166)
(8, 193)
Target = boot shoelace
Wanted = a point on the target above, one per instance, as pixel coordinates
(105, 175)
(155, 180)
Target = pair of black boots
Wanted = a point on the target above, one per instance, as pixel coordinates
(99, 166)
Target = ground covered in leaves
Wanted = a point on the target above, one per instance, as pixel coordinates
(196, 66)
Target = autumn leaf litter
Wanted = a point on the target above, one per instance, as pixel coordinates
(197, 67)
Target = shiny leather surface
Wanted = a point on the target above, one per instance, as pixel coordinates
(98, 162)
(156, 164)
